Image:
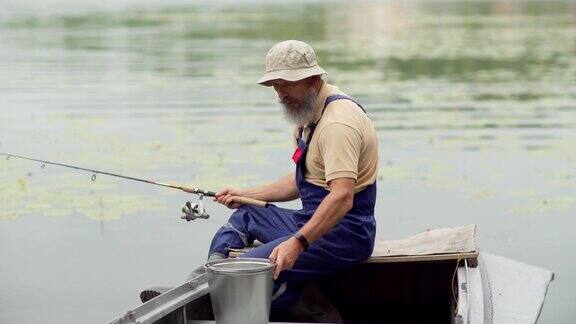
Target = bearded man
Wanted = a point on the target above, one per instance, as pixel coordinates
(335, 157)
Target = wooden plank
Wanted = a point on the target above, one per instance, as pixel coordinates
(471, 256)
(235, 254)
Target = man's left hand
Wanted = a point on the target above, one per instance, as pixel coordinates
(285, 255)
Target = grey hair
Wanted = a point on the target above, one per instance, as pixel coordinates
(303, 114)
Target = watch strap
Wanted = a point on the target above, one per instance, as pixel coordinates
(302, 240)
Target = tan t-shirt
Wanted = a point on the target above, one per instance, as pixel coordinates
(344, 144)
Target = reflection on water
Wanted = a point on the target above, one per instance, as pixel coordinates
(474, 103)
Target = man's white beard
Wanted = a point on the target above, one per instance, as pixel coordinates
(301, 114)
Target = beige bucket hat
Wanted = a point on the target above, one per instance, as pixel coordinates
(290, 60)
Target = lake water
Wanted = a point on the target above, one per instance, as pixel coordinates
(474, 103)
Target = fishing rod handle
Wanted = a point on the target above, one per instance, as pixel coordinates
(238, 199)
(198, 191)
(249, 201)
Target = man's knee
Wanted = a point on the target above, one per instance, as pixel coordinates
(260, 252)
(242, 215)
(248, 209)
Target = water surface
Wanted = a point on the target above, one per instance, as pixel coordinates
(474, 103)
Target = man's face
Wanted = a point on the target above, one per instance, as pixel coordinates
(291, 93)
(298, 99)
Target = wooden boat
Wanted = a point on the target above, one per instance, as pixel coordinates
(434, 277)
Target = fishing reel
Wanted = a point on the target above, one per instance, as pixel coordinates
(194, 210)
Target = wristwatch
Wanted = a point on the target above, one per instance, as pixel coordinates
(302, 240)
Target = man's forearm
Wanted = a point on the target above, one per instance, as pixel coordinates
(330, 211)
(283, 189)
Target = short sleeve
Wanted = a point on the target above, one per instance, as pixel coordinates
(340, 146)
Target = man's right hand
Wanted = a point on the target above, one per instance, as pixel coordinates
(226, 197)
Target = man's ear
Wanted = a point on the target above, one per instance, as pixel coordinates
(317, 82)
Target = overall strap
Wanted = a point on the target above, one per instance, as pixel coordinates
(299, 140)
(301, 143)
(339, 97)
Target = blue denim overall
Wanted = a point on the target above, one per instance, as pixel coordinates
(349, 242)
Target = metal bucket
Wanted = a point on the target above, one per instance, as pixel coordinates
(240, 290)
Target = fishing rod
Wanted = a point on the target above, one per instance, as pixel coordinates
(192, 210)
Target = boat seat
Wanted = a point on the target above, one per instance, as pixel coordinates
(455, 243)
